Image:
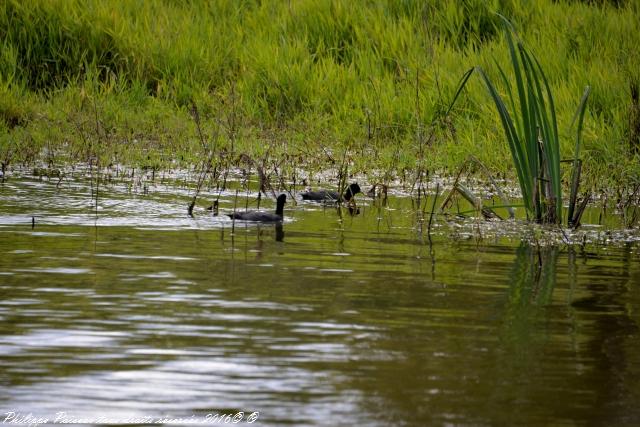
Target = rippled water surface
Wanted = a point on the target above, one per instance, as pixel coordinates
(137, 310)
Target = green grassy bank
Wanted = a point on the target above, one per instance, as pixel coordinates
(307, 82)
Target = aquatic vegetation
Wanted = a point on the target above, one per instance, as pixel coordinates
(531, 129)
(299, 88)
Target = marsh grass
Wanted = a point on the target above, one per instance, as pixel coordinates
(294, 85)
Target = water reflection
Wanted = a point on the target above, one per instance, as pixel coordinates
(533, 277)
(613, 331)
(279, 232)
(348, 320)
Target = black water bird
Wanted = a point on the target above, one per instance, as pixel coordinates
(259, 216)
(331, 196)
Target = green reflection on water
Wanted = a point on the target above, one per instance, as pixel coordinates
(341, 320)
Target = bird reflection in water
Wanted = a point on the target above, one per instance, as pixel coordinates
(279, 232)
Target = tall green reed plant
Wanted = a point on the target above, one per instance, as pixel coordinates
(531, 128)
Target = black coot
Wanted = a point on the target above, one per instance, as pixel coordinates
(331, 196)
(259, 216)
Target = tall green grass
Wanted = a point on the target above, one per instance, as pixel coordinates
(317, 76)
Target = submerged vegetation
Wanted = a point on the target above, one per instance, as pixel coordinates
(285, 87)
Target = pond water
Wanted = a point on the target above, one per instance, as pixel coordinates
(138, 310)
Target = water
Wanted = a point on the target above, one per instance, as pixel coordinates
(144, 312)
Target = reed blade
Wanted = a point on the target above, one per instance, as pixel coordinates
(518, 155)
(576, 169)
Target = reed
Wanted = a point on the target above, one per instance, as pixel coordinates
(531, 129)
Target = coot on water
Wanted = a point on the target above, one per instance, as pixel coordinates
(331, 196)
(259, 216)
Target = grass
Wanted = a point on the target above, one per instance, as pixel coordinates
(316, 84)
